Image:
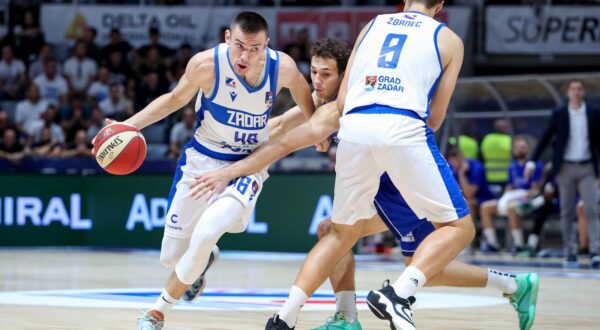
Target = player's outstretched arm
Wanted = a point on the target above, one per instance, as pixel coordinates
(289, 119)
(321, 125)
(452, 53)
(199, 74)
(291, 78)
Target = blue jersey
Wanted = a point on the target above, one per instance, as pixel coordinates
(232, 119)
(516, 177)
(476, 176)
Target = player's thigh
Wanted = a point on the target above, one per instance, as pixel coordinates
(356, 183)
(426, 182)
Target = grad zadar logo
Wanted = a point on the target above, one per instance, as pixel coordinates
(224, 299)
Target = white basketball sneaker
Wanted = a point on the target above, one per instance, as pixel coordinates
(386, 305)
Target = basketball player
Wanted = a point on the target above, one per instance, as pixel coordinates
(237, 84)
(329, 58)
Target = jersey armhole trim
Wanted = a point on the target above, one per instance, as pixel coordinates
(435, 43)
(274, 77)
(365, 35)
(215, 89)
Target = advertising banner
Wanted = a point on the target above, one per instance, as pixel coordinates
(129, 212)
(561, 30)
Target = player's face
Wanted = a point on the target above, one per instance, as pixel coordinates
(245, 50)
(325, 77)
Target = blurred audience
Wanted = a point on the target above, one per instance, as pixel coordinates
(30, 109)
(53, 87)
(80, 70)
(12, 75)
(182, 132)
(496, 152)
(117, 106)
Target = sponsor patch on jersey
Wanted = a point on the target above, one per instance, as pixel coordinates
(269, 99)
(233, 95)
(370, 82)
(230, 82)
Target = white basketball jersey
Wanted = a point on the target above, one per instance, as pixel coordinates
(397, 65)
(232, 122)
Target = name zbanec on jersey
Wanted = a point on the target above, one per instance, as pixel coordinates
(383, 83)
(409, 21)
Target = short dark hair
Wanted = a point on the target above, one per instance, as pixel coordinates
(153, 31)
(428, 3)
(573, 80)
(453, 151)
(250, 22)
(334, 49)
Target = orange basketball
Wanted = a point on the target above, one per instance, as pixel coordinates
(120, 148)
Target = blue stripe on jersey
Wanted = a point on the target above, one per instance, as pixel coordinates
(384, 109)
(249, 88)
(274, 74)
(437, 80)
(232, 117)
(456, 196)
(365, 35)
(216, 155)
(216, 85)
(178, 175)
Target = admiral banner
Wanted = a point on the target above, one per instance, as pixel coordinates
(561, 30)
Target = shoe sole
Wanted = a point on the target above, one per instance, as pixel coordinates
(532, 280)
(215, 253)
(379, 309)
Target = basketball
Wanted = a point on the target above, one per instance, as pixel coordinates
(120, 149)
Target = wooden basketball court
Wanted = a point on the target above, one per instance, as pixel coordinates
(568, 298)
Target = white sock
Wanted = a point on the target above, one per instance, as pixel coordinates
(346, 304)
(533, 241)
(164, 303)
(517, 235)
(290, 309)
(503, 282)
(490, 236)
(411, 279)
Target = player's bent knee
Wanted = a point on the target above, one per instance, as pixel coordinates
(169, 260)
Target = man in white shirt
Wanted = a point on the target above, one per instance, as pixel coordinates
(116, 106)
(47, 119)
(575, 163)
(30, 109)
(53, 86)
(80, 69)
(98, 90)
(12, 74)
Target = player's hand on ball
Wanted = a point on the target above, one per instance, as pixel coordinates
(206, 185)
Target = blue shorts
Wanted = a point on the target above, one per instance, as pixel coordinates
(399, 218)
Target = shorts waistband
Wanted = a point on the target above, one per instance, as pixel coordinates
(384, 109)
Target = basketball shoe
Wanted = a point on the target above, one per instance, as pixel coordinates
(275, 323)
(338, 322)
(386, 305)
(197, 287)
(525, 298)
(151, 320)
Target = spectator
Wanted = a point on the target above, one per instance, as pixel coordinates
(150, 89)
(96, 123)
(466, 141)
(30, 109)
(495, 151)
(89, 38)
(153, 63)
(79, 69)
(181, 133)
(80, 147)
(53, 87)
(12, 75)
(45, 146)
(29, 37)
(98, 90)
(471, 177)
(4, 123)
(178, 66)
(154, 34)
(577, 130)
(120, 71)
(37, 67)
(48, 119)
(73, 118)
(116, 44)
(11, 149)
(517, 189)
(116, 106)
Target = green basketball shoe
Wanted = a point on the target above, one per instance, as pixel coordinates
(525, 298)
(338, 321)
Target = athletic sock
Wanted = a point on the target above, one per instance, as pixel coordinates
(533, 240)
(503, 282)
(490, 237)
(346, 304)
(517, 235)
(290, 309)
(164, 303)
(408, 283)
